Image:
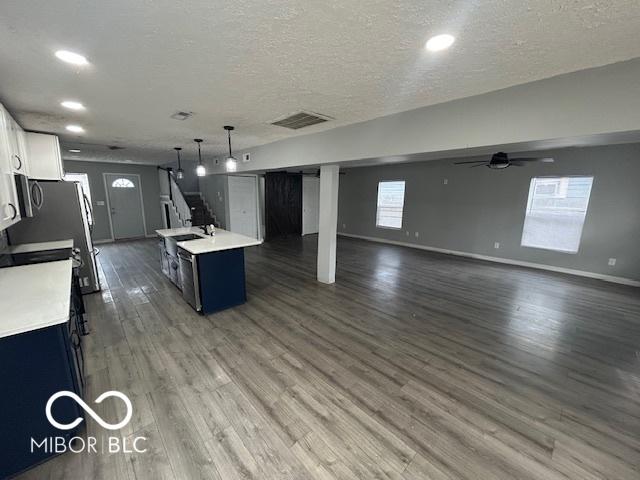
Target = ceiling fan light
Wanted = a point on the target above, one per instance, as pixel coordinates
(231, 164)
(201, 171)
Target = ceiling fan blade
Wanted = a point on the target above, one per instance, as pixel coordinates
(473, 161)
(516, 163)
(485, 164)
(532, 159)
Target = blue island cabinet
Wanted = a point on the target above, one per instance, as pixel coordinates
(222, 280)
(33, 366)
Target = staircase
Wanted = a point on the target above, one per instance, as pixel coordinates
(200, 212)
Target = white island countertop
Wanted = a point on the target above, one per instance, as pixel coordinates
(39, 247)
(34, 296)
(222, 240)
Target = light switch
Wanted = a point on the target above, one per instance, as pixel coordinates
(612, 262)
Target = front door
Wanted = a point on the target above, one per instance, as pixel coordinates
(125, 204)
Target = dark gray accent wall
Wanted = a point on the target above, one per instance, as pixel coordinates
(190, 181)
(479, 206)
(150, 193)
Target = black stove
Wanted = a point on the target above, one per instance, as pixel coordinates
(27, 258)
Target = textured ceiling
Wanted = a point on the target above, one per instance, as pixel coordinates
(247, 63)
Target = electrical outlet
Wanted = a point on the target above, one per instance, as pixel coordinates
(417, 234)
(407, 233)
(612, 262)
(446, 181)
(100, 203)
(344, 225)
(496, 245)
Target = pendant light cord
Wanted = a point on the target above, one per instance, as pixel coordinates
(229, 137)
(198, 141)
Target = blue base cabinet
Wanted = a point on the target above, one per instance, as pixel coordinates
(33, 366)
(222, 280)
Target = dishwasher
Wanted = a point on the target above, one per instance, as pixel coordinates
(189, 278)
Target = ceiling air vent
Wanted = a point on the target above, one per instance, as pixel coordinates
(301, 120)
(181, 115)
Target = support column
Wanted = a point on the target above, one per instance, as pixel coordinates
(328, 225)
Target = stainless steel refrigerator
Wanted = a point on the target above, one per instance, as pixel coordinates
(65, 213)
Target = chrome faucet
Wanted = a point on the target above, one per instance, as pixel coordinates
(208, 229)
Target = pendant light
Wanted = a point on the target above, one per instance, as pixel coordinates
(200, 170)
(231, 163)
(180, 172)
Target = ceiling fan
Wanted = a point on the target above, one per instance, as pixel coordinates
(501, 160)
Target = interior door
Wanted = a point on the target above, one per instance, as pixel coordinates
(243, 202)
(125, 205)
(310, 205)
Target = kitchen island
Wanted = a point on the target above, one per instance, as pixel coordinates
(208, 269)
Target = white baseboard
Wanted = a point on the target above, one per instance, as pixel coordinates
(508, 261)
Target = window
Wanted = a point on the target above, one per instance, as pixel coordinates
(556, 210)
(122, 183)
(83, 180)
(390, 204)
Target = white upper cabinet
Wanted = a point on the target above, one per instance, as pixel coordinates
(45, 160)
(16, 144)
(9, 208)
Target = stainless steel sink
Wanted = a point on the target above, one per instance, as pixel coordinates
(185, 237)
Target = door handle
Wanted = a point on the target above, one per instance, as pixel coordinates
(17, 157)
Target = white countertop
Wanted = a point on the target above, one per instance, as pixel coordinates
(222, 240)
(34, 296)
(39, 247)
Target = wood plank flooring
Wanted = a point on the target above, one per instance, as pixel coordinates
(414, 365)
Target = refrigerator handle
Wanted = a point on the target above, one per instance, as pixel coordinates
(87, 204)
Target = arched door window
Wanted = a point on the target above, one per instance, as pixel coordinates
(122, 183)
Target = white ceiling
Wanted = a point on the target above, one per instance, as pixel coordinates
(249, 62)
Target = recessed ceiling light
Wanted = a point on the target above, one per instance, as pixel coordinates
(74, 150)
(71, 57)
(440, 42)
(75, 128)
(71, 105)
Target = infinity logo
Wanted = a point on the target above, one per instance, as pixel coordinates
(89, 410)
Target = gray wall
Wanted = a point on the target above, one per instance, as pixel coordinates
(150, 192)
(479, 206)
(215, 191)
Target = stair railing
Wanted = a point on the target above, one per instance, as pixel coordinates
(177, 198)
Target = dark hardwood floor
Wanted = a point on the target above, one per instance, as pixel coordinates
(414, 365)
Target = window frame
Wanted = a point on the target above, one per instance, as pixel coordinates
(130, 184)
(404, 195)
(530, 195)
